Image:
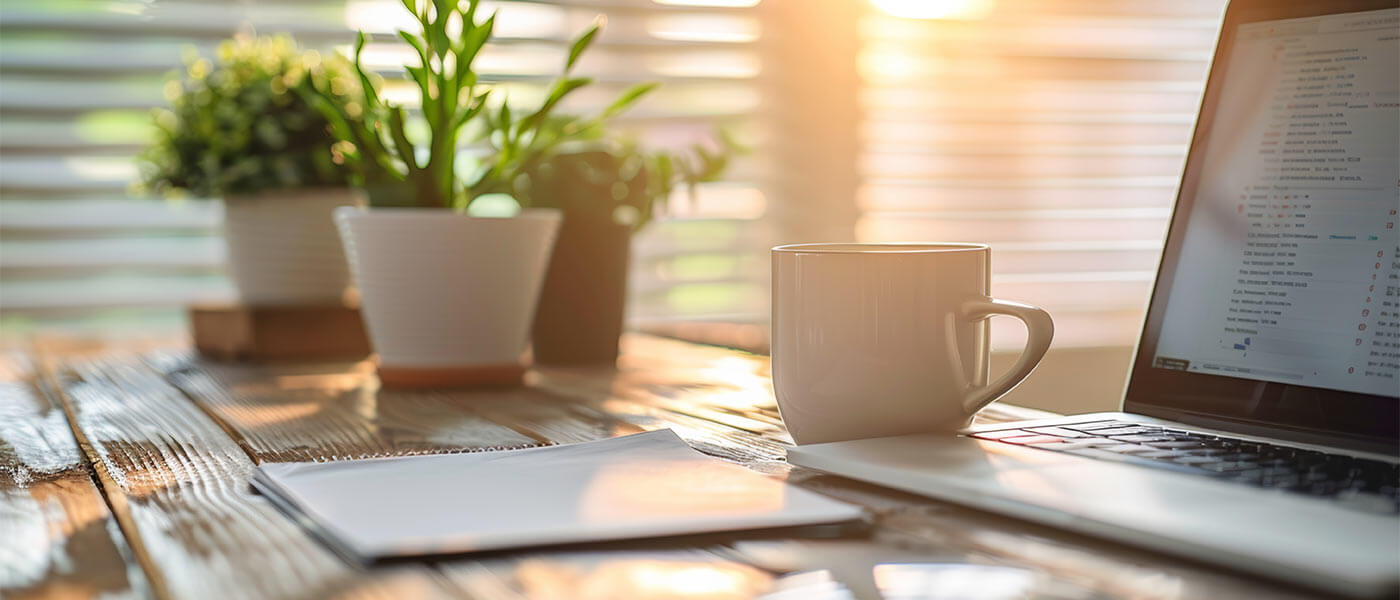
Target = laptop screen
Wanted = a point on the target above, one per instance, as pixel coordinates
(1278, 300)
(1292, 253)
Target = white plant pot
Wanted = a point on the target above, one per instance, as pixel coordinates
(283, 248)
(448, 299)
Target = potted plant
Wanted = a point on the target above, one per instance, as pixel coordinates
(239, 127)
(607, 187)
(607, 192)
(448, 297)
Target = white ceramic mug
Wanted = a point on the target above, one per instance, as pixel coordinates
(873, 340)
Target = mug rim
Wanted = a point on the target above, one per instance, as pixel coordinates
(881, 247)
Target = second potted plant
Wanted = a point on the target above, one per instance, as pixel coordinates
(240, 127)
(607, 190)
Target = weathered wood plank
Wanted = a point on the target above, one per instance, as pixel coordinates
(310, 413)
(633, 574)
(179, 485)
(335, 411)
(332, 412)
(721, 402)
(724, 386)
(57, 537)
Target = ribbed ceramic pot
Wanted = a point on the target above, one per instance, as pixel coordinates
(283, 248)
(448, 299)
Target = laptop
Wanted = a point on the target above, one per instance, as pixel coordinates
(1260, 427)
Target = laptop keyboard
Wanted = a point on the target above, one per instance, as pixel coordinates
(1362, 484)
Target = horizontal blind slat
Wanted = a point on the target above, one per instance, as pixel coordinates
(95, 213)
(914, 196)
(1054, 131)
(80, 76)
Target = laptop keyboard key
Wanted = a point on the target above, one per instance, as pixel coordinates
(1230, 466)
(1132, 459)
(1059, 432)
(1196, 460)
(1144, 437)
(1129, 430)
(1176, 445)
(1076, 444)
(1280, 481)
(1239, 456)
(1360, 484)
(1245, 476)
(1004, 433)
(1154, 453)
(1031, 440)
(1096, 425)
(1128, 448)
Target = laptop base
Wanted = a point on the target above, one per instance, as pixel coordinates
(1298, 539)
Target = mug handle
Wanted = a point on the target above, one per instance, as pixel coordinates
(1040, 329)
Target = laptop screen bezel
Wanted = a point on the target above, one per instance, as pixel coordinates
(1317, 415)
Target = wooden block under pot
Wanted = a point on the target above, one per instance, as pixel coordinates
(278, 333)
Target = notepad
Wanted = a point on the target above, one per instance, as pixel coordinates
(639, 486)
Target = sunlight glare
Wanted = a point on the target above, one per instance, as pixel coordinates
(713, 64)
(703, 28)
(934, 9)
(717, 3)
(516, 20)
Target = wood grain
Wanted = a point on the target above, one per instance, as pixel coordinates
(315, 414)
(180, 486)
(57, 537)
(181, 460)
(636, 574)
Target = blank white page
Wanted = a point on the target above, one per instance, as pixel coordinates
(645, 485)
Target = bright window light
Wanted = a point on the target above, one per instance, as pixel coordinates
(934, 9)
(722, 3)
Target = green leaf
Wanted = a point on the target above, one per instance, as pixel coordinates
(731, 145)
(583, 42)
(436, 30)
(401, 143)
(371, 93)
(562, 88)
(709, 167)
(417, 45)
(331, 111)
(420, 76)
(472, 43)
(628, 98)
(567, 87)
(360, 39)
(473, 109)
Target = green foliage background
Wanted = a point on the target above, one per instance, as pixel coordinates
(240, 123)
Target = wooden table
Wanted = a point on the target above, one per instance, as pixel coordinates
(125, 473)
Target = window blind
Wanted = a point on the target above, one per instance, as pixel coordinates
(1053, 130)
(78, 77)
